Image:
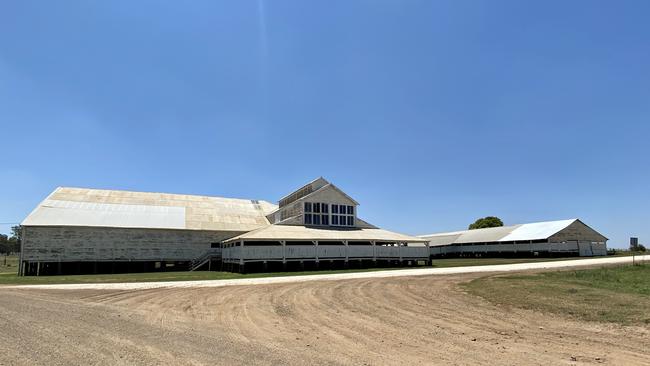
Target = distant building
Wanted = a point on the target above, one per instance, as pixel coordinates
(565, 237)
(78, 230)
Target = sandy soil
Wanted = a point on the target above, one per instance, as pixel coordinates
(422, 320)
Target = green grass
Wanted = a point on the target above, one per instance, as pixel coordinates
(13, 279)
(462, 262)
(610, 294)
(8, 274)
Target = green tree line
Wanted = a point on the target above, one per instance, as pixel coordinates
(11, 244)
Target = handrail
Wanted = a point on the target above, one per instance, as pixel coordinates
(204, 258)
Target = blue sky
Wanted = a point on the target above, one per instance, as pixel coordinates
(429, 113)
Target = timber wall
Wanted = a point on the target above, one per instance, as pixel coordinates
(94, 244)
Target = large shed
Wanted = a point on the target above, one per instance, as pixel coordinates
(563, 237)
(79, 230)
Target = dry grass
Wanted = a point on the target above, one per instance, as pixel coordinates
(8, 264)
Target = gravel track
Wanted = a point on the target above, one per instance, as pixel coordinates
(421, 320)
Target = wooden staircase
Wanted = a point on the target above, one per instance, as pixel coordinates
(210, 254)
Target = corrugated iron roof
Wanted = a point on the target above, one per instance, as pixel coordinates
(319, 182)
(537, 230)
(111, 208)
(318, 185)
(522, 232)
(295, 232)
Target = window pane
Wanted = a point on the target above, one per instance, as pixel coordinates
(335, 208)
(324, 207)
(350, 210)
(308, 219)
(325, 219)
(316, 219)
(335, 218)
(307, 206)
(350, 221)
(342, 209)
(317, 207)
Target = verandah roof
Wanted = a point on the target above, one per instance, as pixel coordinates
(307, 233)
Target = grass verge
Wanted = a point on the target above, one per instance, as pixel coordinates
(486, 261)
(610, 294)
(8, 274)
(13, 279)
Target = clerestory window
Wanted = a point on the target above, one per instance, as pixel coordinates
(324, 214)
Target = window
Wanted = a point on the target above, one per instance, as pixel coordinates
(342, 215)
(318, 213)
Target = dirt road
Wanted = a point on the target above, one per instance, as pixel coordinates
(422, 320)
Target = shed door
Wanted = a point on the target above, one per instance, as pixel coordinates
(584, 248)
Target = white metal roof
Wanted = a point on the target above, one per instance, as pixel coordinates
(110, 208)
(537, 230)
(70, 213)
(296, 232)
(522, 232)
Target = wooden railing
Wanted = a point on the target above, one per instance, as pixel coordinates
(210, 254)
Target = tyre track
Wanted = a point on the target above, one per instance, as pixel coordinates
(377, 321)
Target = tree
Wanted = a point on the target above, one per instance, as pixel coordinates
(484, 222)
(13, 245)
(4, 244)
(16, 239)
(17, 232)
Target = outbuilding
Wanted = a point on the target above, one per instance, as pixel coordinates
(550, 238)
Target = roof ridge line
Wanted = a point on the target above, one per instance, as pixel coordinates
(333, 186)
(151, 192)
(303, 186)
